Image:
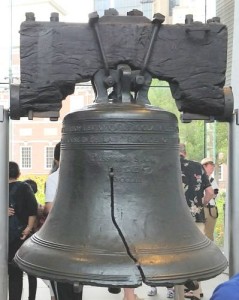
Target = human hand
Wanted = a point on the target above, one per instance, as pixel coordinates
(26, 232)
(11, 211)
(40, 210)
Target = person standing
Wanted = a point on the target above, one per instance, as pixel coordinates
(198, 192)
(63, 291)
(39, 222)
(210, 210)
(22, 211)
(32, 280)
(52, 180)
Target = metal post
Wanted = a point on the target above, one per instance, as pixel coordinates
(233, 196)
(4, 142)
(233, 164)
(179, 292)
(205, 139)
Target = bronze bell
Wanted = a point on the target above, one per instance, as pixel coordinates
(120, 217)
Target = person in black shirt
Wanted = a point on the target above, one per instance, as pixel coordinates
(25, 209)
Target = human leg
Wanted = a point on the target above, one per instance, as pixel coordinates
(15, 282)
(15, 274)
(32, 280)
(130, 295)
(211, 219)
(66, 291)
(53, 288)
(197, 293)
(178, 292)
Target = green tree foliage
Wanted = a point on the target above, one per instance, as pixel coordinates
(222, 136)
(192, 134)
(40, 180)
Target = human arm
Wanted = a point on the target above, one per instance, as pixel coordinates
(50, 192)
(208, 190)
(47, 208)
(27, 231)
(208, 195)
(30, 210)
(215, 187)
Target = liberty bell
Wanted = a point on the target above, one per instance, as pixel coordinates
(120, 217)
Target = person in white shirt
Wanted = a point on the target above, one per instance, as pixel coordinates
(50, 191)
(63, 291)
(51, 186)
(210, 210)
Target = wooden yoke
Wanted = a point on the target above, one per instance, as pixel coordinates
(56, 55)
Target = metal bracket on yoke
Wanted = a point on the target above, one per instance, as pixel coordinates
(157, 22)
(123, 80)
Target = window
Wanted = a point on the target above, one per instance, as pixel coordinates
(220, 172)
(26, 157)
(25, 131)
(49, 156)
(50, 131)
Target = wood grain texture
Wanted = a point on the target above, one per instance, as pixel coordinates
(56, 55)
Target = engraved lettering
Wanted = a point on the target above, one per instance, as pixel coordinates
(126, 126)
(127, 179)
(126, 139)
(134, 169)
(107, 158)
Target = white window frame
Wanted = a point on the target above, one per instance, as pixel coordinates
(220, 173)
(47, 158)
(23, 166)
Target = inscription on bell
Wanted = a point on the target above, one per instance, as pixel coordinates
(110, 157)
(119, 139)
(128, 179)
(94, 126)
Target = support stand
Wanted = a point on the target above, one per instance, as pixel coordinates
(4, 142)
(232, 219)
(179, 292)
(233, 196)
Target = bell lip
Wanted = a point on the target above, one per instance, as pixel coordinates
(106, 281)
(150, 281)
(27, 262)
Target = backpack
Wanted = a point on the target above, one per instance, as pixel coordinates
(15, 227)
